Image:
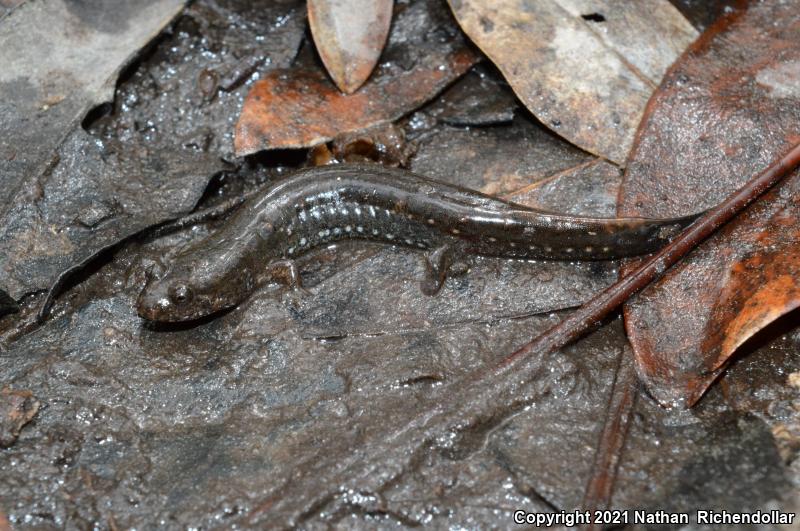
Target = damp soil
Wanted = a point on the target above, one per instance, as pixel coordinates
(341, 407)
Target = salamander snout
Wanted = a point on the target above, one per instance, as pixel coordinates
(173, 298)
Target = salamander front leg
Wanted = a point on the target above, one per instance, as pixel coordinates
(286, 271)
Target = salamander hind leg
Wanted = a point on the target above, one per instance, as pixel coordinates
(437, 264)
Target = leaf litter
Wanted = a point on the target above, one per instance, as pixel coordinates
(362, 422)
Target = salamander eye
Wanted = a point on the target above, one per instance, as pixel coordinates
(180, 294)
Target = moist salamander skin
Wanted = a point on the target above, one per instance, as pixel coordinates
(326, 204)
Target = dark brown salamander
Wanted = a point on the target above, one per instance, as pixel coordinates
(326, 204)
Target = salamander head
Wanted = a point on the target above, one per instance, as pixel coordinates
(194, 289)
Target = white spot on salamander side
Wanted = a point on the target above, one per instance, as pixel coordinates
(431, 221)
(360, 228)
(348, 228)
(390, 236)
(303, 241)
(455, 231)
(357, 211)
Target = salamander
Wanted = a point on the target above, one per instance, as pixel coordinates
(321, 205)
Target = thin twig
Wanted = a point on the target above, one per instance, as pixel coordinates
(613, 436)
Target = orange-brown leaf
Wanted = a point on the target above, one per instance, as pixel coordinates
(758, 290)
(294, 109)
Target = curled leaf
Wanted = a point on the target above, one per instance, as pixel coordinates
(759, 290)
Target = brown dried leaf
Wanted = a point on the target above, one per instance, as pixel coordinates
(585, 68)
(17, 408)
(726, 110)
(385, 144)
(301, 108)
(350, 35)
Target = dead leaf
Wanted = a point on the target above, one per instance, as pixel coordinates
(705, 13)
(495, 160)
(757, 291)
(475, 99)
(585, 68)
(77, 62)
(96, 195)
(17, 408)
(589, 187)
(728, 108)
(350, 35)
(301, 108)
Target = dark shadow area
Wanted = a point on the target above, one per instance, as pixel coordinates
(594, 17)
